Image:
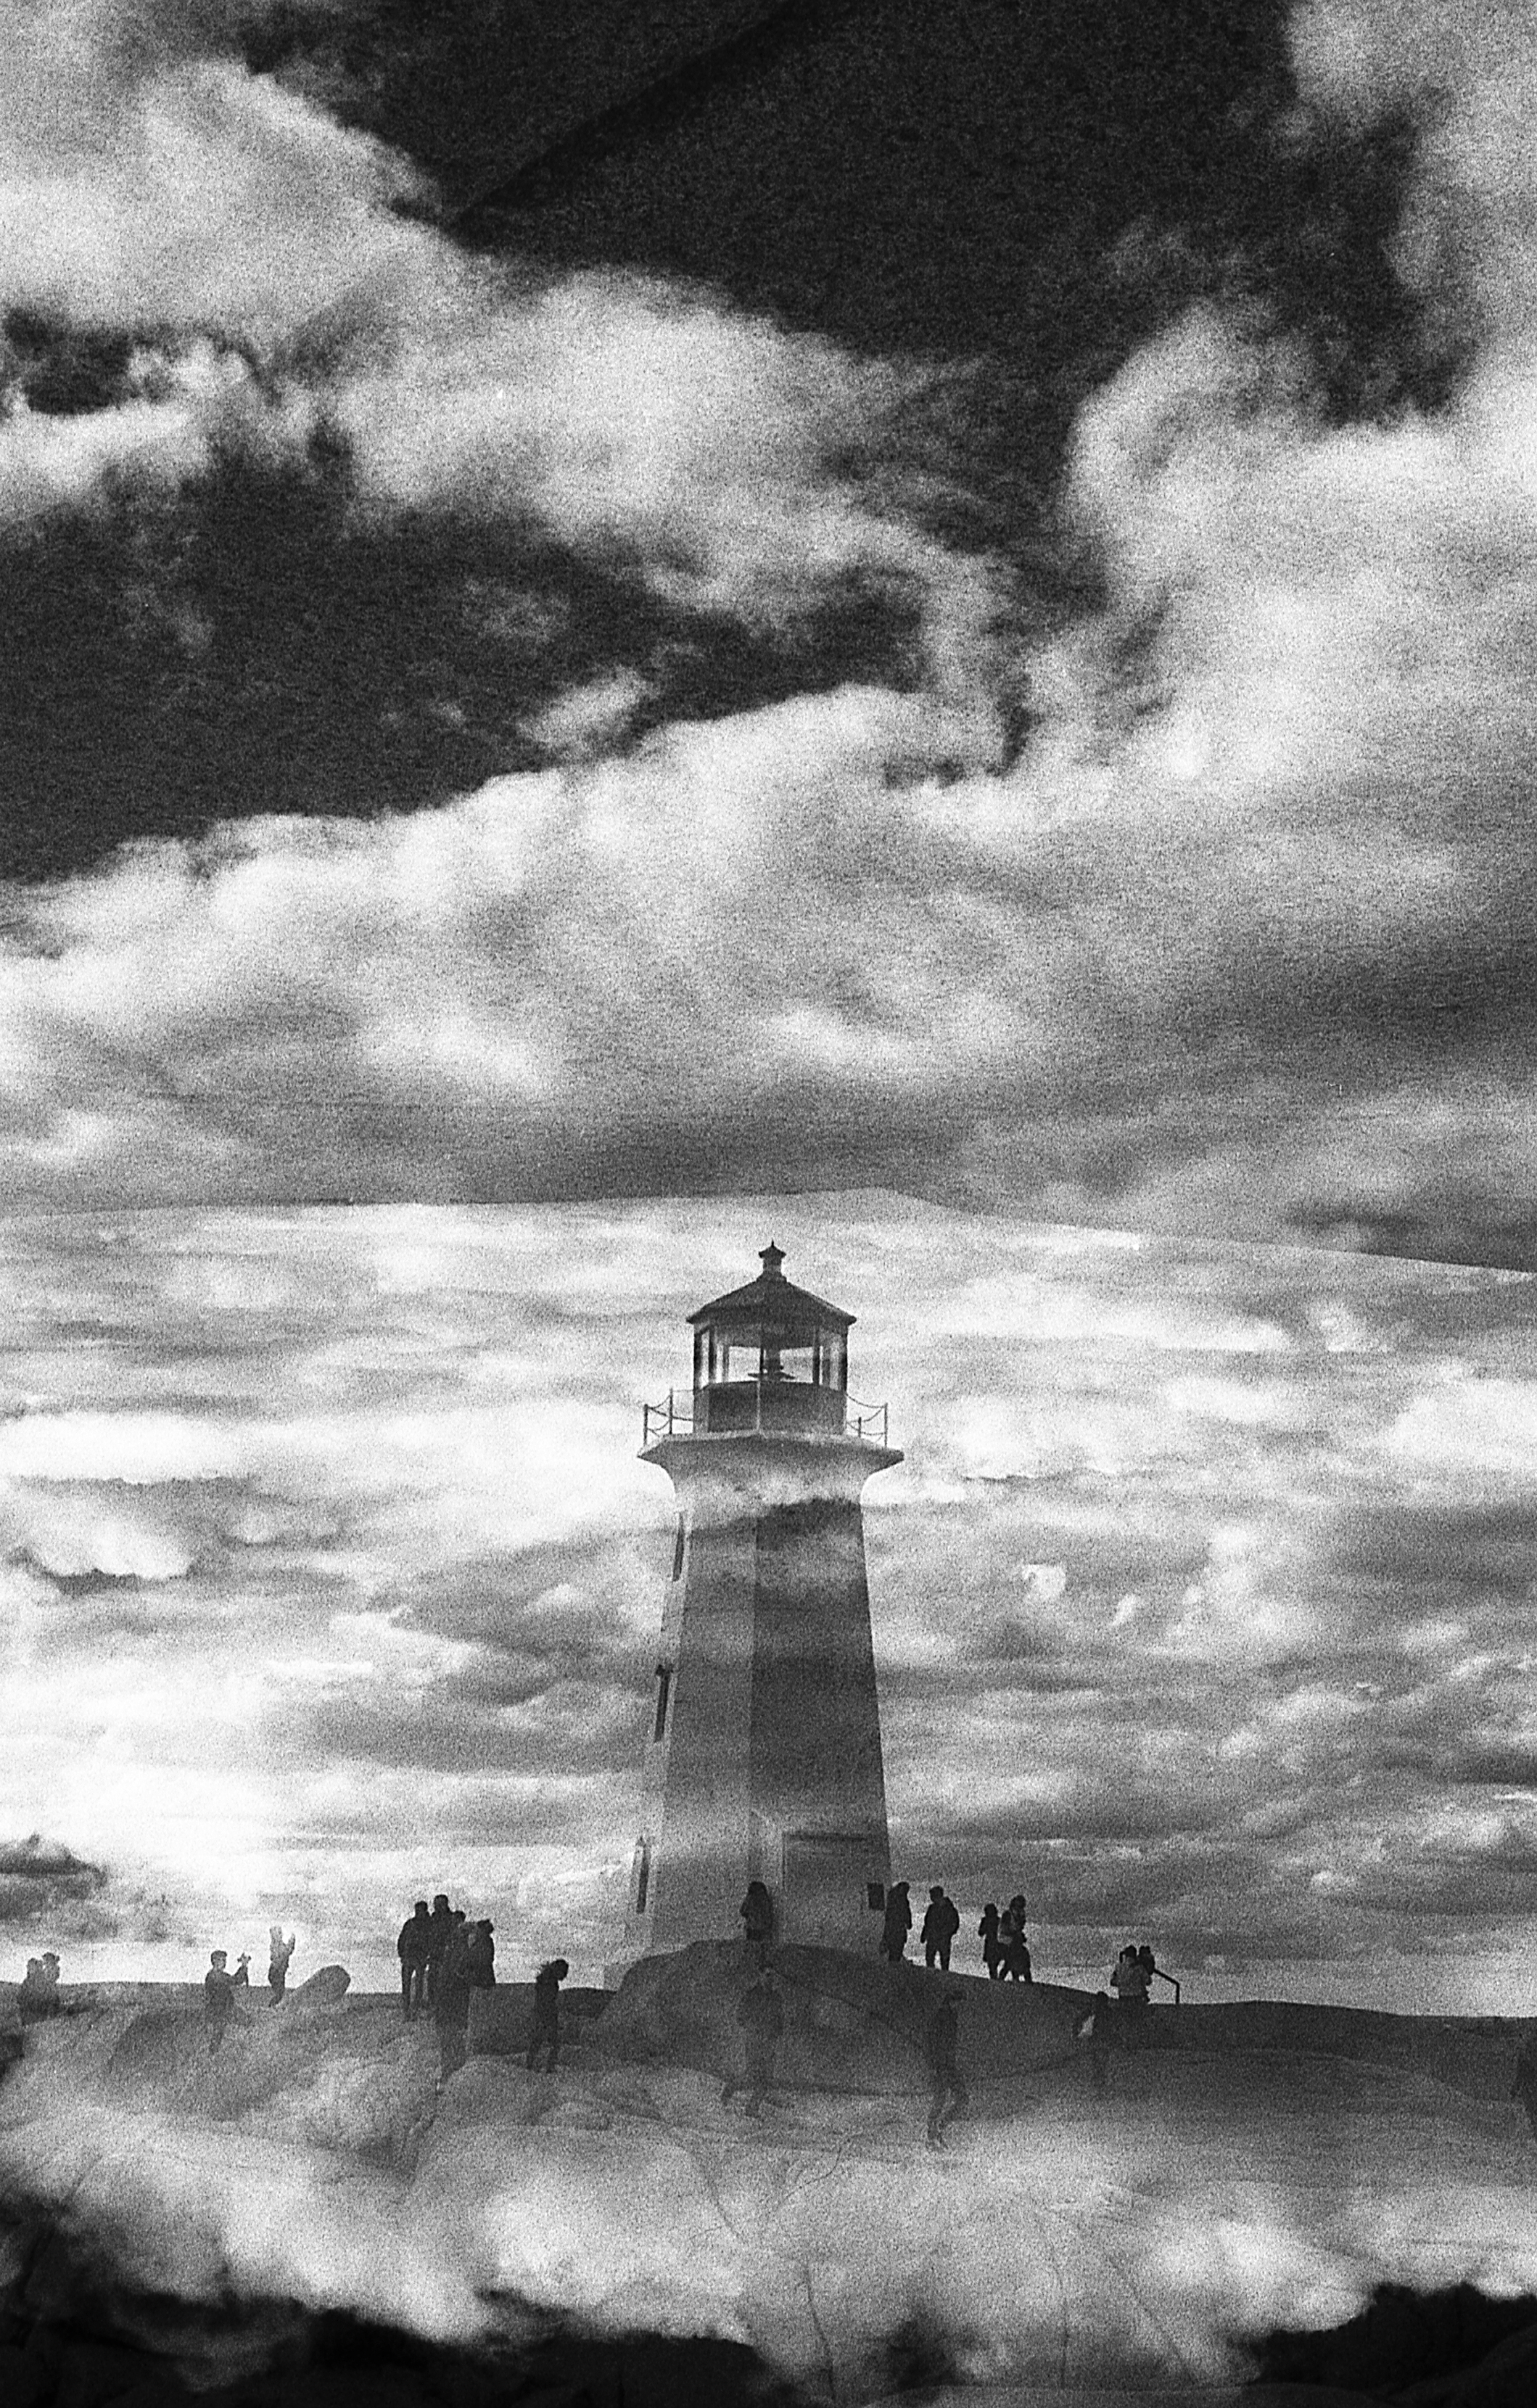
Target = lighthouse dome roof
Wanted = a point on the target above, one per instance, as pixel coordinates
(774, 1299)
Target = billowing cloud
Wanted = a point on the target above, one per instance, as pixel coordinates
(329, 1556)
(260, 282)
(1238, 941)
(44, 1883)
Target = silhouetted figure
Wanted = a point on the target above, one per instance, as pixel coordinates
(480, 1946)
(218, 1988)
(1131, 1979)
(762, 2016)
(545, 2032)
(1097, 2032)
(38, 1999)
(941, 1921)
(441, 1923)
(414, 1949)
(948, 2092)
(896, 1924)
(279, 1957)
(1016, 1965)
(451, 2003)
(757, 1914)
(1524, 2087)
(993, 1947)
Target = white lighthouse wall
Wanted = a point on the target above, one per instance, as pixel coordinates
(699, 1863)
(817, 1774)
(641, 1914)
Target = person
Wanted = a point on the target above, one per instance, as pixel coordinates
(481, 1948)
(762, 2016)
(545, 2032)
(948, 2092)
(279, 1956)
(1131, 1979)
(1016, 1966)
(993, 1947)
(414, 1949)
(941, 1921)
(38, 1999)
(218, 1988)
(451, 2005)
(757, 1913)
(440, 1923)
(896, 1924)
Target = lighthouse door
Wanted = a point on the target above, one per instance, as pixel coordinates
(826, 1876)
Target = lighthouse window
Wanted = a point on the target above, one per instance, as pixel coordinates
(677, 1549)
(664, 1683)
(643, 1875)
(787, 1360)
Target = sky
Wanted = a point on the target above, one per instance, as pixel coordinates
(977, 642)
(1201, 1599)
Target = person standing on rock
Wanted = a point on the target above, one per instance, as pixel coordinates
(451, 2005)
(545, 2032)
(440, 1923)
(1016, 1966)
(279, 1956)
(218, 1988)
(897, 1923)
(941, 1922)
(993, 1947)
(1131, 1981)
(481, 1945)
(414, 1949)
(757, 1914)
(38, 1999)
(762, 2017)
(947, 2091)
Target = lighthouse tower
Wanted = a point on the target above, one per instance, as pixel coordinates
(763, 1758)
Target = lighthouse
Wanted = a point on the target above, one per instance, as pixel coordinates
(763, 1756)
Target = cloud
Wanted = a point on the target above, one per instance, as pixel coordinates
(44, 1883)
(326, 1531)
(1238, 941)
(282, 300)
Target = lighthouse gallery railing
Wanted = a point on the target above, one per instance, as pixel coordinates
(676, 1419)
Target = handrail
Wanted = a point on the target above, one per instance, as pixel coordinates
(672, 1419)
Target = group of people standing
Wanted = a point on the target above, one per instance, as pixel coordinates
(444, 1955)
(1006, 1951)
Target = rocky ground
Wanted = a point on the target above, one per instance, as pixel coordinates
(1247, 2172)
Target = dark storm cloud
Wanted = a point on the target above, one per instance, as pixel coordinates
(40, 1880)
(1235, 939)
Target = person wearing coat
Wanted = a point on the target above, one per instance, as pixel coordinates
(992, 1947)
(451, 2003)
(897, 1924)
(414, 1947)
(757, 1914)
(941, 1921)
(545, 2032)
(762, 2015)
(279, 1956)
